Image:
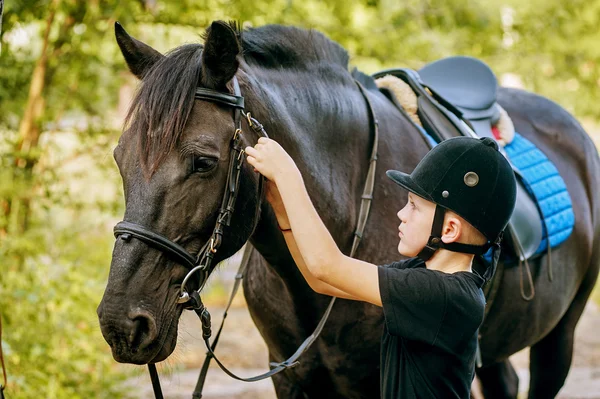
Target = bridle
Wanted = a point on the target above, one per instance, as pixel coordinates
(202, 263)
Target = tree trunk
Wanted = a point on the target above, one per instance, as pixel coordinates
(29, 133)
(29, 128)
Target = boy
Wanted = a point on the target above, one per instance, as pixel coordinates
(461, 196)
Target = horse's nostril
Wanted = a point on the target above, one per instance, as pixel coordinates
(143, 330)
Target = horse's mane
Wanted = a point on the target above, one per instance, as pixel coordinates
(165, 97)
(277, 46)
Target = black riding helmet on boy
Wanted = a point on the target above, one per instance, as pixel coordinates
(467, 176)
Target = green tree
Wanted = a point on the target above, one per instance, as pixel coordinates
(60, 76)
(57, 78)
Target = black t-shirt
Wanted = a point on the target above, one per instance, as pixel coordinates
(430, 333)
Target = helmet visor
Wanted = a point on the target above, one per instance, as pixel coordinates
(407, 182)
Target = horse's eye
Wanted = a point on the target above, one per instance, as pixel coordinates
(203, 164)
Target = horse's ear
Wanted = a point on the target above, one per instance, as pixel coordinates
(219, 58)
(139, 56)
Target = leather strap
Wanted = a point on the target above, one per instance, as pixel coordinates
(466, 248)
(433, 244)
(230, 100)
(155, 381)
(126, 230)
(435, 241)
(276, 368)
(367, 196)
(520, 252)
(209, 355)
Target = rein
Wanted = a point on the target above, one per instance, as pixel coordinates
(202, 262)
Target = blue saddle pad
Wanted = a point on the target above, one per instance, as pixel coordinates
(547, 187)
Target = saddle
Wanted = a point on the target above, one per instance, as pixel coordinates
(456, 96)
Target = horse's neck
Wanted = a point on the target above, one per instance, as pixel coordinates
(324, 126)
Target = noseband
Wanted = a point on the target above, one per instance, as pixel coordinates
(203, 262)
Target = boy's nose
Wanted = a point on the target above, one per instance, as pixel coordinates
(400, 215)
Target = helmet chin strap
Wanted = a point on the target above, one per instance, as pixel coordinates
(435, 239)
(435, 242)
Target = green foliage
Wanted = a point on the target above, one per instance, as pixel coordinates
(56, 212)
(52, 341)
(557, 52)
(52, 277)
(552, 45)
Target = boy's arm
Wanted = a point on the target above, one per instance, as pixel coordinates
(317, 285)
(316, 247)
(320, 253)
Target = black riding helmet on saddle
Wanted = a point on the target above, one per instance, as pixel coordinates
(472, 178)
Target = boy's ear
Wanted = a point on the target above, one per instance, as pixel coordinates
(452, 230)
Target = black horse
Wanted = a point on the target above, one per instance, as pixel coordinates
(173, 157)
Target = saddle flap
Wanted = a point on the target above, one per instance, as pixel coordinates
(492, 113)
(526, 230)
(436, 121)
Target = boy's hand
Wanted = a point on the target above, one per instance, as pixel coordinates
(271, 160)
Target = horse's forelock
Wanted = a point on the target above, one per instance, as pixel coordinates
(163, 103)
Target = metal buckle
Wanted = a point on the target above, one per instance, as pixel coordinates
(249, 118)
(237, 134)
(241, 154)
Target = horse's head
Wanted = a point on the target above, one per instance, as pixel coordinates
(173, 157)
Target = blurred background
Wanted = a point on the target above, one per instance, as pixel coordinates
(64, 89)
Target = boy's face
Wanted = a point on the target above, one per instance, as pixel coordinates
(415, 225)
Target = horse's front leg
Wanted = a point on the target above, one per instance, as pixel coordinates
(286, 387)
(499, 381)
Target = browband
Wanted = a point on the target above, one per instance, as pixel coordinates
(218, 97)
